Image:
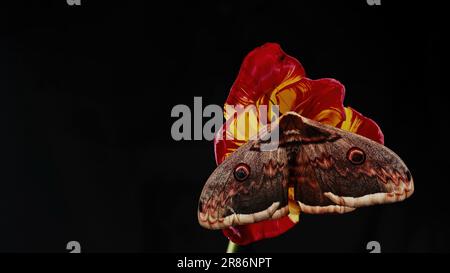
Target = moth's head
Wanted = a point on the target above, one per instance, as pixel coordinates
(246, 188)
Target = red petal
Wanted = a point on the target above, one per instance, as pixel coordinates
(357, 123)
(322, 100)
(262, 71)
(243, 235)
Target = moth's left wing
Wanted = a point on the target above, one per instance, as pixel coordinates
(249, 186)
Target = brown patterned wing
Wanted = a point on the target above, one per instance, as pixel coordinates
(248, 187)
(338, 171)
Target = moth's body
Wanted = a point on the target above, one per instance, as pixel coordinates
(318, 168)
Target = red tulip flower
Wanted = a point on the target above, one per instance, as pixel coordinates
(268, 76)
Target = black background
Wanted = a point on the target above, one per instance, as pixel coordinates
(85, 100)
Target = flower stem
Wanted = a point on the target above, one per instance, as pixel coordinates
(232, 247)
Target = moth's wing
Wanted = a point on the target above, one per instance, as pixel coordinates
(226, 201)
(268, 181)
(327, 180)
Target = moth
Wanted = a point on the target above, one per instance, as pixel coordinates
(314, 168)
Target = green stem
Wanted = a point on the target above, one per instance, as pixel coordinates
(232, 247)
